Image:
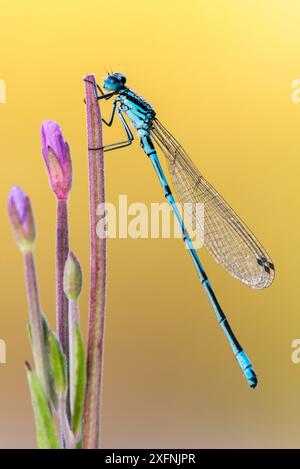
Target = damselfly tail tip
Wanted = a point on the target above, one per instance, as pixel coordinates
(252, 379)
(247, 369)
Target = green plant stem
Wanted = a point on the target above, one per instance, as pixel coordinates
(68, 441)
(38, 345)
(73, 321)
(91, 427)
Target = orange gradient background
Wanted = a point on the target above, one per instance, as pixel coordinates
(219, 75)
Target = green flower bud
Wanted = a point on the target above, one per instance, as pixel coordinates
(72, 277)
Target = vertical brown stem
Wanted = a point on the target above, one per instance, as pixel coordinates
(62, 304)
(98, 271)
(62, 250)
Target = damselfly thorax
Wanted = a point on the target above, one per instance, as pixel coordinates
(137, 109)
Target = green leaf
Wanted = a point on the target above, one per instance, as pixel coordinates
(78, 380)
(45, 327)
(46, 432)
(29, 331)
(53, 395)
(40, 436)
(46, 332)
(58, 365)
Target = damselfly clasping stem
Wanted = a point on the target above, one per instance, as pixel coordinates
(98, 270)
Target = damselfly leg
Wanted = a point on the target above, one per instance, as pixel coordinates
(129, 134)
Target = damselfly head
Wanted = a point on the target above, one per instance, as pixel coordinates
(114, 81)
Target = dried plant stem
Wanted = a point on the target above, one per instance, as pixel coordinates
(62, 250)
(98, 271)
(38, 345)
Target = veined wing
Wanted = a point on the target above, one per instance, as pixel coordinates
(226, 237)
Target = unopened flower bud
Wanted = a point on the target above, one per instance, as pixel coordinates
(21, 217)
(72, 277)
(57, 157)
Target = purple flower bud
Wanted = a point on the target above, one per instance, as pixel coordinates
(57, 157)
(21, 217)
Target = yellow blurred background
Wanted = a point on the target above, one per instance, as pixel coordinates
(219, 75)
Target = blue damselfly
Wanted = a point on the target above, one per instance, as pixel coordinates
(226, 237)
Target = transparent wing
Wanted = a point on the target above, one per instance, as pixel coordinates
(225, 236)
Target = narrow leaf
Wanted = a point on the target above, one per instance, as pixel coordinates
(78, 381)
(46, 332)
(46, 432)
(58, 365)
(45, 327)
(29, 331)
